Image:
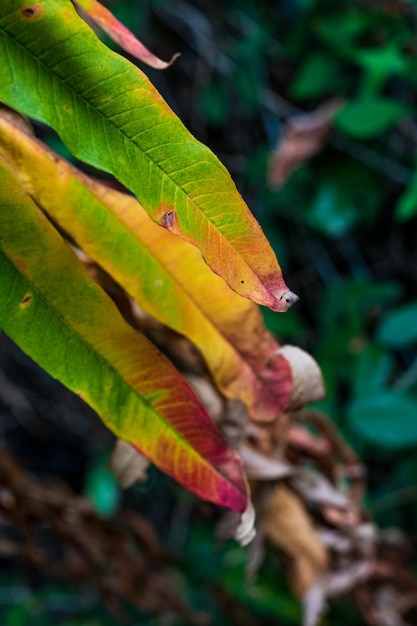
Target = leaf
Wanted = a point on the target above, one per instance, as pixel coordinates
(128, 465)
(315, 77)
(165, 275)
(384, 61)
(109, 115)
(333, 584)
(286, 525)
(303, 137)
(316, 488)
(385, 418)
(102, 489)
(398, 329)
(122, 35)
(308, 384)
(369, 117)
(407, 203)
(52, 309)
(245, 531)
(346, 194)
(258, 466)
(373, 367)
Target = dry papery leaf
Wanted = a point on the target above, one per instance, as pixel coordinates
(208, 395)
(303, 136)
(21, 121)
(128, 464)
(245, 532)
(286, 525)
(328, 585)
(258, 466)
(316, 489)
(390, 597)
(308, 384)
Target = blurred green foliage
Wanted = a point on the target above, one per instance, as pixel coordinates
(344, 226)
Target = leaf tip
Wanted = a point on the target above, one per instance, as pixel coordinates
(290, 298)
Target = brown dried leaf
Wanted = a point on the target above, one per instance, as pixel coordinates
(307, 443)
(260, 467)
(234, 423)
(303, 137)
(207, 394)
(287, 526)
(314, 487)
(332, 584)
(21, 121)
(308, 384)
(360, 540)
(128, 465)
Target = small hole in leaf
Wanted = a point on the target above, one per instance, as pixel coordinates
(31, 11)
(242, 282)
(26, 301)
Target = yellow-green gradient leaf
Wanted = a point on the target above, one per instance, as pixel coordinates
(56, 70)
(52, 309)
(165, 275)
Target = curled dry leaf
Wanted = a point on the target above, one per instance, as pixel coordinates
(234, 423)
(314, 487)
(260, 467)
(207, 394)
(307, 443)
(344, 518)
(308, 384)
(303, 137)
(128, 465)
(361, 540)
(286, 525)
(246, 530)
(332, 584)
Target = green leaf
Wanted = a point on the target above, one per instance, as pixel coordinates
(373, 367)
(330, 211)
(398, 329)
(385, 418)
(101, 488)
(54, 311)
(346, 193)
(316, 77)
(407, 203)
(339, 33)
(108, 113)
(383, 62)
(369, 117)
